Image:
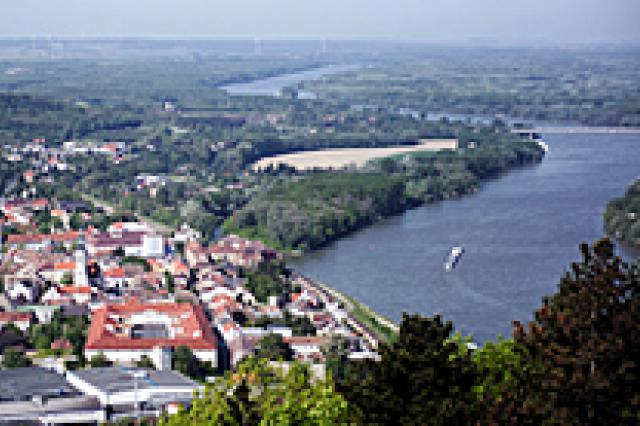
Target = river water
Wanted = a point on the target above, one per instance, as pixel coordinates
(520, 233)
(273, 85)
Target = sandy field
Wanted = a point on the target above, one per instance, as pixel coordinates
(343, 157)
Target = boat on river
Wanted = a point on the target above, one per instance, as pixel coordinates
(452, 259)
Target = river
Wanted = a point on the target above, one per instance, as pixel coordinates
(520, 232)
(273, 85)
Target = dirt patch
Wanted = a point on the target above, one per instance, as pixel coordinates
(343, 157)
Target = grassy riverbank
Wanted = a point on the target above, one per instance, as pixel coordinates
(384, 329)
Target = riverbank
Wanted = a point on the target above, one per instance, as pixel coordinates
(310, 211)
(622, 217)
(520, 232)
(584, 130)
(372, 326)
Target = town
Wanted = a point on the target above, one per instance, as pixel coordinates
(166, 313)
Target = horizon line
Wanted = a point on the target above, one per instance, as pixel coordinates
(470, 41)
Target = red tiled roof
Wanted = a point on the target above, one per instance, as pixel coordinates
(106, 240)
(61, 344)
(65, 236)
(38, 238)
(33, 202)
(230, 326)
(304, 340)
(114, 273)
(189, 317)
(64, 265)
(75, 289)
(15, 316)
(24, 238)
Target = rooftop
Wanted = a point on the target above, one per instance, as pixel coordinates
(21, 384)
(117, 379)
(134, 325)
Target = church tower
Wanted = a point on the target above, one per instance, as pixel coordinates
(80, 278)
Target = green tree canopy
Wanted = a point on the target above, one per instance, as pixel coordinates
(273, 348)
(259, 394)
(582, 352)
(422, 378)
(184, 361)
(14, 358)
(99, 360)
(145, 362)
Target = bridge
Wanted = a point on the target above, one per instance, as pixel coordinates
(537, 131)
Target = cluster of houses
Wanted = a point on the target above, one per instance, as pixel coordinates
(147, 294)
(42, 159)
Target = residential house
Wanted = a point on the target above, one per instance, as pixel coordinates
(22, 320)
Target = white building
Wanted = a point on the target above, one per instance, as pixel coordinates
(152, 245)
(80, 277)
(145, 391)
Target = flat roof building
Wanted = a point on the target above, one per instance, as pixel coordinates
(36, 395)
(126, 391)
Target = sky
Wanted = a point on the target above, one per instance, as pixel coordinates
(511, 22)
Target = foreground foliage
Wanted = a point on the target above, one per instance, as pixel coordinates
(422, 378)
(260, 394)
(577, 363)
(582, 353)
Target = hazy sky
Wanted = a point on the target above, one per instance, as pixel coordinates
(507, 21)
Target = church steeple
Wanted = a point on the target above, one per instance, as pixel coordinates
(80, 278)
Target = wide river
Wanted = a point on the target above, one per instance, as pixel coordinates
(520, 233)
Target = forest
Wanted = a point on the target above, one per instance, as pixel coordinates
(305, 212)
(581, 86)
(622, 216)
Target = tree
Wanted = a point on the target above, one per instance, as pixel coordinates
(273, 347)
(259, 394)
(145, 362)
(67, 278)
(422, 378)
(184, 361)
(582, 351)
(498, 365)
(169, 282)
(12, 328)
(14, 358)
(336, 352)
(99, 360)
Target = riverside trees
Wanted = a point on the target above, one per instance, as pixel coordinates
(622, 216)
(307, 212)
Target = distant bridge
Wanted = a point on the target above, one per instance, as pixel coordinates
(535, 132)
